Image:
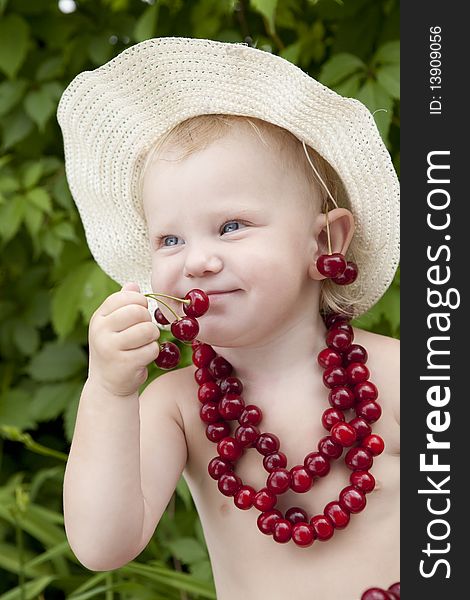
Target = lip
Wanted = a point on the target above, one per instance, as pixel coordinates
(220, 292)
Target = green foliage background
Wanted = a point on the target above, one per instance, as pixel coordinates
(50, 285)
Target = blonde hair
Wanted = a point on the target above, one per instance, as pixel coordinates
(196, 133)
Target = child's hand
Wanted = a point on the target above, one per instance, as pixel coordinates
(122, 341)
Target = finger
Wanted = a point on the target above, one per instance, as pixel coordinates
(137, 336)
(122, 298)
(127, 316)
(144, 355)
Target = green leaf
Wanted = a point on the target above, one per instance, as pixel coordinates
(14, 409)
(375, 97)
(67, 297)
(26, 337)
(11, 216)
(61, 193)
(33, 219)
(349, 87)
(40, 198)
(16, 126)
(51, 244)
(11, 93)
(388, 77)
(100, 49)
(14, 40)
(39, 106)
(292, 52)
(50, 400)
(389, 53)
(51, 68)
(146, 24)
(32, 173)
(9, 184)
(268, 9)
(339, 67)
(97, 287)
(65, 231)
(188, 550)
(57, 361)
(70, 415)
(184, 493)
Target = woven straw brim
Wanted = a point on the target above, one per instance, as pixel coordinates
(111, 116)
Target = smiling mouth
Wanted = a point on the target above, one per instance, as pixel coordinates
(221, 293)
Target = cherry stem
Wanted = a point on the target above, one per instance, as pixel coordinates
(328, 229)
(172, 297)
(165, 304)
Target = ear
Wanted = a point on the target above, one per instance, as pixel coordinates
(341, 224)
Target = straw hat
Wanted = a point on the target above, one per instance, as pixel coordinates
(111, 116)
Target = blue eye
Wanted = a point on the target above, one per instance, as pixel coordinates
(230, 223)
(169, 237)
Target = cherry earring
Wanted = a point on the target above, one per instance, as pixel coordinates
(334, 265)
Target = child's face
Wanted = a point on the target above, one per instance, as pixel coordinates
(228, 218)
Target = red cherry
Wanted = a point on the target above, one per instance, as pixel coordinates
(229, 448)
(296, 515)
(338, 516)
(329, 448)
(330, 417)
(329, 358)
(216, 431)
(339, 340)
(185, 329)
(246, 434)
(300, 479)
(368, 410)
(316, 464)
(361, 426)
(264, 500)
(395, 589)
(202, 355)
(373, 443)
(334, 376)
(331, 265)
(231, 385)
(229, 484)
(160, 317)
(199, 303)
(220, 368)
(209, 391)
(267, 519)
(231, 406)
(366, 391)
(282, 531)
(355, 353)
(349, 275)
(322, 526)
(352, 499)
(343, 433)
(202, 375)
(358, 459)
(362, 480)
(274, 460)
(278, 481)
(168, 357)
(303, 534)
(267, 443)
(335, 318)
(209, 412)
(341, 397)
(376, 594)
(357, 373)
(243, 499)
(218, 466)
(252, 415)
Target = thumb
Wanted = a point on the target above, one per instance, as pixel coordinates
(131, 286)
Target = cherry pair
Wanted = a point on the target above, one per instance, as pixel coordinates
(393, 593)
(335, 267)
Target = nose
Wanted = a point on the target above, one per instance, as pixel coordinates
(201, 261)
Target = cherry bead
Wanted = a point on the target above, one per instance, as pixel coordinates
(334, 376)
(357, 373)
(329, 448)
(274, 460)
(209, 412)
(229, 448)
(352, 499)
(231, 385)
(202, 375)
(341, 397)
(362, 480)
(282, 531)
(344, 434)
(246, 434)
(345, 327)
(335, 318)
(358, 459)
(252, 415)
(217, 431)
(365, 390)
(303, 534)
(338, 339)
(300, 479)
(209, 392)
(160, 317)
(264, 500)
(375, 594)
(185, 329)
(329, 358)
(169, 356)
(355, 353)
(231, 406)
(348, 276)
(220, 368)
(395, 589)
(330, 417)
(267, 443)
(229, 484)
(296, 515)
(316, 464)
(331, 265)
(243, 499)
(195, 344)
(267, 519)
(203, 355)
(322, 526)
(338, 516)
(278, 481)
(368, 410)
(373, 443)
(361, 426)
(218, 466)
(199, 303)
